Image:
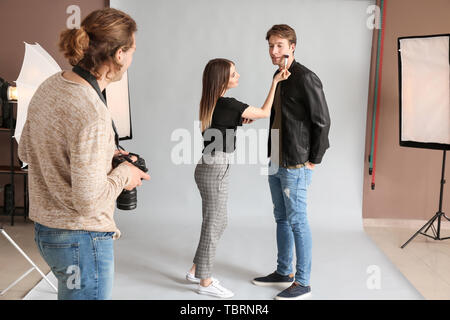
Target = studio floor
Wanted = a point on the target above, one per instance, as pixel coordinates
(13, 264)
(424, 262)
(344, 261)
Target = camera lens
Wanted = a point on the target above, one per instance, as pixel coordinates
(127, 200)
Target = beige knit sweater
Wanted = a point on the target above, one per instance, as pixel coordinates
(68, 143)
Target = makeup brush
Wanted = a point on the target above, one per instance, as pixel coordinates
(286, 57)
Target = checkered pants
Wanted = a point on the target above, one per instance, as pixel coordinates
(211, 176)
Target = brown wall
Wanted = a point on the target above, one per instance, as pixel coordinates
(407, 179)
(31, 21)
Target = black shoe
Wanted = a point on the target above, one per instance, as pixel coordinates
(295, 292)
(273, 278)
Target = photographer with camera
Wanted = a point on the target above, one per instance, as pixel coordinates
(69, 142)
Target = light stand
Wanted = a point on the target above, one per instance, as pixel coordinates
(438, 216)
(3, 232)
(6, 95)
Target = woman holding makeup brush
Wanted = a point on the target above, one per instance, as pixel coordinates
(219, 116)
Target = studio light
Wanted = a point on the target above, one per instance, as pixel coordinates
(424, 93)
(8, 93)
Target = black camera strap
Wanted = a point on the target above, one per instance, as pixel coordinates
(89, 77)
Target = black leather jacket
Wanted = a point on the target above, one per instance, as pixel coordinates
(305, 121)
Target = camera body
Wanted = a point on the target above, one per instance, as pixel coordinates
(127, 199)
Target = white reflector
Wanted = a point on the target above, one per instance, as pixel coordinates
(424, 84)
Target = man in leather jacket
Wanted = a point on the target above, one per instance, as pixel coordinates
(298, 139)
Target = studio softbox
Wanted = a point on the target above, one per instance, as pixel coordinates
(118, 100)
(424, 84)
(424, 91)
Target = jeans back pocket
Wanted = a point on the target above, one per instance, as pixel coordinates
(60, 256)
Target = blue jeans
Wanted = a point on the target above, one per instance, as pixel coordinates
(82, 261)
(289, 190)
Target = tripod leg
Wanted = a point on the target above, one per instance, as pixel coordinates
(419, 231)
(445, 217)
(431, 224)
(28, 259)
(439, 227)
(16, 282)
(438, 215)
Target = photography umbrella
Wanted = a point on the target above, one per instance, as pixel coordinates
(37, 66)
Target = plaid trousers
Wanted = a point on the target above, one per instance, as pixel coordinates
(211, 176)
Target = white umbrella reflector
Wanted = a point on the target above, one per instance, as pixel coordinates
(37, 66)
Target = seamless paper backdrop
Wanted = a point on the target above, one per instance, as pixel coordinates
(175, 40)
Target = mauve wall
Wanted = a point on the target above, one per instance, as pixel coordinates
(407, 179)
(31, 21)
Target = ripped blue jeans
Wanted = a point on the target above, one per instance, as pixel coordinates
(289, 196)
(82, 261)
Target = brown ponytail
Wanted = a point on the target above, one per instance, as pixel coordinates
(95, 43)
(74, 42)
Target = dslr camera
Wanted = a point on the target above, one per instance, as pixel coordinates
(127, 200)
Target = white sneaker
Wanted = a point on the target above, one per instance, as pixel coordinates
(191, 278)
(215, 290)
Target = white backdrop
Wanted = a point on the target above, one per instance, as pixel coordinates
(175, 40)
